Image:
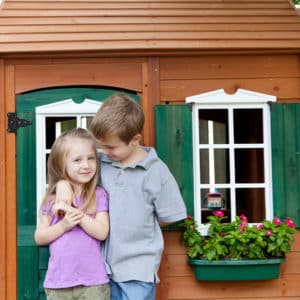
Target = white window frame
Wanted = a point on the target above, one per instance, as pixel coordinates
(242, 99)
(64, 108)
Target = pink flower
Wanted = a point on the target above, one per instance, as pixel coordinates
(259, 226)
(243, 218)
(243, 224)
(289, 222)
(218, 213)
(189, 217)
(277, 221)
(269, 232)
(242, 231)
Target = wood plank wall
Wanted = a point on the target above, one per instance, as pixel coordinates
(178, 282)
(169, 79)
(277, 75)
(149, 25)
(180, 77)
(3, 252)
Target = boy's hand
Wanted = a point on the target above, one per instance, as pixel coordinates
(60, 208)
(71, 219)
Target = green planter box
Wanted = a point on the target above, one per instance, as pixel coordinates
(234, 270)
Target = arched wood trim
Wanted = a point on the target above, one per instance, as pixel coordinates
(119, 75)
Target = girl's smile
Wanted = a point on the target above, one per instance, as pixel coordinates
(81, 162)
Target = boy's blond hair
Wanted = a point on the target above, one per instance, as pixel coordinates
(57, 168)
(119, 116)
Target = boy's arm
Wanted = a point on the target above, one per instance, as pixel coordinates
(45, 233)
(170, 206)
(64, 195)
(97, 227)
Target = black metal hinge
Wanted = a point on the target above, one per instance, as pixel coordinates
(14, 122)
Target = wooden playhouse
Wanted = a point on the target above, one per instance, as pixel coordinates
(236, 62)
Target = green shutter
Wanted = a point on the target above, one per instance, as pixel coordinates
(285, 120)
(174, 146)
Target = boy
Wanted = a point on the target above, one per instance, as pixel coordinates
(142, 195)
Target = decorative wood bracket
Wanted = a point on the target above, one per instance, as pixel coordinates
(14, 122)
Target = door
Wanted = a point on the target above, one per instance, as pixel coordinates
(50, 111)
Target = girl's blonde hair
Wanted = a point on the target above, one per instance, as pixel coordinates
(57, 167)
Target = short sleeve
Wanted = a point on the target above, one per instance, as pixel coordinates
(169, 204)
(46, 209)
(102, 200)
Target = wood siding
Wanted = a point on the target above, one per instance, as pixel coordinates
(277, 75)
(178, 282)
(180, 77)
(165, 51)
(148, 26)
(157, 80)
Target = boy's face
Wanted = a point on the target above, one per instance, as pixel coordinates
(117, 150)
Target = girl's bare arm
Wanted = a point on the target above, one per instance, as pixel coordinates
(97, 227)
(45, 233)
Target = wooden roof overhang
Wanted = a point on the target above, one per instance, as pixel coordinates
(148, 27)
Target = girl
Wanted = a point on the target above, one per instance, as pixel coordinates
(76, 269)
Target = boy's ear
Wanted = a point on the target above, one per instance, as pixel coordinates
(136, 138)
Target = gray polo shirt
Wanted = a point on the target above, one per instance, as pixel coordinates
(140, 196)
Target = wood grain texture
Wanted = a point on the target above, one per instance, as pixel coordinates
(3, 186)
(178, 282)
(187, 76)
(147, 25)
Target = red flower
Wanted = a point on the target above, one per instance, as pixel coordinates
(259, 226)
(218, 213)
(289, 222)
(243, 224)
(243, 218)
(269, 232)
(277, 221)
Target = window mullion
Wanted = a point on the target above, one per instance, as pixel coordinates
(211, 152)
(232, 164)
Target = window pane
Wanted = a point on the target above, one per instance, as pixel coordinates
(47, 180)
(55, 126)
(221, 158)
(204, 166)
(207, 210)
(86, 122)
(213, 126)
(248, 126)
(249, 166)
(225, 194)
(251, 203)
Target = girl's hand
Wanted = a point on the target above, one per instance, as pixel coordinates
(71, 219)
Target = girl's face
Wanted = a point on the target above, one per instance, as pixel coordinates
(81, 163)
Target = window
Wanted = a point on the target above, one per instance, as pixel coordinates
(232, 155)
(51, 121)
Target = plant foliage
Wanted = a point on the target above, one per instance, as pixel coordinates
(238, 239)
